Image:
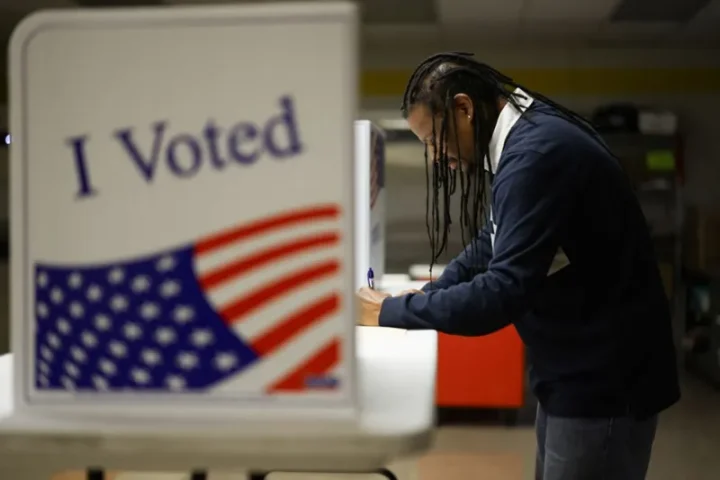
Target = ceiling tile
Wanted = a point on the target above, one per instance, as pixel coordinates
(638, 28)
(32, 5)
(119, 3)
(213, 2)
(374, 12)
(479, 12)
(567, 9)
(558, 29)
(384, 12)
(633, 33)
(678, 11)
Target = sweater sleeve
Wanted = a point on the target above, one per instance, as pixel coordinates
(532, 198)
(460, 269)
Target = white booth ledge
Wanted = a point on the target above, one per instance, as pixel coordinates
(254, 276)
(397, 387)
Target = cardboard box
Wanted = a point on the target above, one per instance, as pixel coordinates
(702, 239)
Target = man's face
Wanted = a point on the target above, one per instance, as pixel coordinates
(459, 135)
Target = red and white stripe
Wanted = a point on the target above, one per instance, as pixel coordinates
(275, 283)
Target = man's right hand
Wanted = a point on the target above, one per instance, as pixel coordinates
(408, 292)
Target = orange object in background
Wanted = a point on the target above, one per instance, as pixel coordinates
(483, 372)
(81, 475)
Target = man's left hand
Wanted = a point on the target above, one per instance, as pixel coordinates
(369, 303)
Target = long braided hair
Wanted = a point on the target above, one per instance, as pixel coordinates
(434, 83)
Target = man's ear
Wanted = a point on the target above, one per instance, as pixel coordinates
(464, 107)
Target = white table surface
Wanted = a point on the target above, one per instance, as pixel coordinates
(397, 385)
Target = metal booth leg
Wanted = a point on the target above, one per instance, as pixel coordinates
(384, 472)
(99, 474)
(95, 474)
(387, 474)
(202, 475)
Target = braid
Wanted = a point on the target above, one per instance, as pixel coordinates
(434, 83)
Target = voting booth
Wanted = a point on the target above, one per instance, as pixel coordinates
(370, 191)
(156, 257)
(183, 262)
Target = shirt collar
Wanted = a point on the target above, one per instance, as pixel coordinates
(509, 115)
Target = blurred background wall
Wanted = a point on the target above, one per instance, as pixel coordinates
(663, 54)
(582, 75)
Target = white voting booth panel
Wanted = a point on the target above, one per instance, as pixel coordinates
(177, 238)
(370, 201)
(183, 270)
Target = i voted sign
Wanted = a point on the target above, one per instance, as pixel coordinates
(184, 154)
(181, 203)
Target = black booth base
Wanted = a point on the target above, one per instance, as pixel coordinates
(99, 474)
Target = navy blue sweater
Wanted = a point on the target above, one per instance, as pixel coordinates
(598, 331)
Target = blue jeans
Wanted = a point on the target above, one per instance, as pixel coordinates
(593, 448)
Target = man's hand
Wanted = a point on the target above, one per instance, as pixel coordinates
(368, 303)
(408, 292)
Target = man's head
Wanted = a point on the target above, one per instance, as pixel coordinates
(452, 104)
(455, 125)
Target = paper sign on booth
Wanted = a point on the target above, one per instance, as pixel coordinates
(377, 201)
(370, 200)
(182, 204)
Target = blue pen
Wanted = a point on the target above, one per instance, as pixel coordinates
(371, 279)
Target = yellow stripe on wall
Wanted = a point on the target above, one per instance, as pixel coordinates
(587, 81)
(557, 81)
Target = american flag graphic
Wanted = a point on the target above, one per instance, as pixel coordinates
(250, 308)
(377, 167)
